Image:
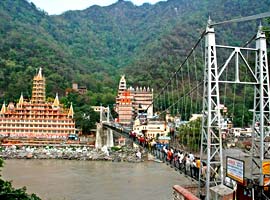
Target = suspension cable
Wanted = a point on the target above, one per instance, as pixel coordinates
(189, 83)
(172, 89)
(245, 88)
(186, 94)
(178, 93)
(234, 91)
(181, 65)
(196, 79)
(242, 19)
(225, 87)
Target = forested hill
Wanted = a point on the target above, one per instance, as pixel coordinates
(95, 46)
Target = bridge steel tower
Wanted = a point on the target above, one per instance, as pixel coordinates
(261, 112)
(211, 142)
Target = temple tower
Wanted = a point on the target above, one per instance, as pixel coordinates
(38, 91)
(122, 85)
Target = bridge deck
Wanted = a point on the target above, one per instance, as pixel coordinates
(188, 172)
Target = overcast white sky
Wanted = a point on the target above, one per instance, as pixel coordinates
(59, 6)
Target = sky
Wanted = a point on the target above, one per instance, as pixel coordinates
(53, 7)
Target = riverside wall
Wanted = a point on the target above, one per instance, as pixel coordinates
(125, 154)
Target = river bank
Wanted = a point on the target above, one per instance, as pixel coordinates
(124, 154)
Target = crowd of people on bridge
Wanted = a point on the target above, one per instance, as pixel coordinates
(184, 161)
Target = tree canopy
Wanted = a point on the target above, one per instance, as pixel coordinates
(95, 46)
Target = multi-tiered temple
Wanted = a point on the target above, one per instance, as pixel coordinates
(130, 101)
(37, 118)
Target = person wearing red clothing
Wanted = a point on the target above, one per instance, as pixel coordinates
(169, 156)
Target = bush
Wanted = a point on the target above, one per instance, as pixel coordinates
(115, 148)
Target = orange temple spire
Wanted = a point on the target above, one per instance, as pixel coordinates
(38, 91)
(4, 108)
(71, 112)
(20, 103)
(56, 102)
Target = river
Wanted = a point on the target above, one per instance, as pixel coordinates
(93, 180)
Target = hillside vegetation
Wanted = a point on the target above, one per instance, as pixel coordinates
(95, 46)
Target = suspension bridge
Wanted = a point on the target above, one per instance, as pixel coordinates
(224, 84)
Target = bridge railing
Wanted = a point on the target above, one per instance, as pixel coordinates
(180, 193)
(189, 170)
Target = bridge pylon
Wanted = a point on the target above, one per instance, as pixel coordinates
(211, 142)
(261, 112)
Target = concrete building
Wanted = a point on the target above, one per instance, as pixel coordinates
(79, 89)
(37, 118)
(152, 129)
(130, 101)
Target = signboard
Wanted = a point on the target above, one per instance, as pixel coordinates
(266, 167)
(235, 169)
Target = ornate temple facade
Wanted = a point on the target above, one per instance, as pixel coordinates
(131, 101)
(37, 118)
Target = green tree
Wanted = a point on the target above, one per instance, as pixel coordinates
(189, 135)
(86, 118)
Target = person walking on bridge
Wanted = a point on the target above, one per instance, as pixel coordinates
(181, 160)
(169, 156)
(142, 141)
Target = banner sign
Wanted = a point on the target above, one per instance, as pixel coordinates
(235, 169)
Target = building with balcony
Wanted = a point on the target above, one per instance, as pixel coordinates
(37, 118)
(79, 89)
(130, 101)
(151, 129)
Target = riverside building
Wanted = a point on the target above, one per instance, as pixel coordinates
(37, 118)
(130, 101)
